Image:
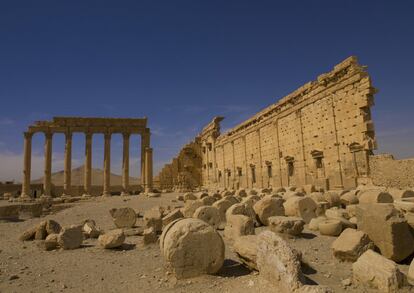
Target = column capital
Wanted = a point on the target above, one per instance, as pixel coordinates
(126, 135)
(88, 135)
(28, 134)
(107, 135)
(68, 134)
(48, 134)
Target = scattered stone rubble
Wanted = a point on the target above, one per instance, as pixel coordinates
(373, 229)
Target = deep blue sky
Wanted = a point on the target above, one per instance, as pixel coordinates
(182, 62)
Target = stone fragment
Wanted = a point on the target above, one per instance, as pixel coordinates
(303, 207)
(349, 198)
(268, 207)
(112, 239)
(207, 200)
(278, 263)
(236, 209)
(90, 230)
(376, 271)
(189, 196)
(123, 217)
(51, 242)
(29, 234)
(387, 228)
(30, 210)
(241, 193)
(191, 247)
(70, 237)
(208, 214)
(171, 216)
(251, 200)
(410, 274)
(201, 195)
(232, 199)
(286, 225)
(238, 225)
(190, 207)
(404, 206)
(153, 218)
(332, 198)
(317, 196)
(52, 227)
(222, 205)
(375, 196)
(330, 227)
(314, 223)
(41, 232)
(351, 244)
(150, 236)
(245, 248)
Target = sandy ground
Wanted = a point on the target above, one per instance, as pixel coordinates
(138, 268)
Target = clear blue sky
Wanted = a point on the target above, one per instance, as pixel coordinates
(182, 62)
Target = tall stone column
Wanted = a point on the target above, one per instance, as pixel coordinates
(27, 164)
(67, 184)
(148, 169)
(47, 179)
(145, 143)
(88, 164)
(125, 165)
(107, 166)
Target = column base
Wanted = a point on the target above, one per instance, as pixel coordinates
(148, 190)
(106, 194)
(25, 196)
(126, 193)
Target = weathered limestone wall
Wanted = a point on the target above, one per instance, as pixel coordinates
(184, 171)
(320, 134)
(386, 171)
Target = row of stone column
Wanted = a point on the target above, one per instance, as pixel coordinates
(146, 164)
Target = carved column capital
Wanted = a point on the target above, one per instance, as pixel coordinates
(48, 134)
(28, 134)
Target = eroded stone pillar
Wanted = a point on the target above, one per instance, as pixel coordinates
(148, 170)
(107, 165)
(125, 165)
(27, 164)
(67, 184)
(47, 179)
(145, 143)
(88, 164)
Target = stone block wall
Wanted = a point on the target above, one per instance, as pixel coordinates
(389, 172)
(320, 134)
(184, 171)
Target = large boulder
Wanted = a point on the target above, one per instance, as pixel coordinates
(286, 225)
(90, 230)
(351, 244)
(70, 237)
(278, 263)
(208, 214)
(112, 239)
(304, 207)
(238, 225)
(189, 196)
(387, 228)
(52, 227)
(208, 200)
(245, 248)
(268, 207)
(123, 217)
(191, 247)
(376, 271)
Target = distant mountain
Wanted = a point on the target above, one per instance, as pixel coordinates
(78, 175)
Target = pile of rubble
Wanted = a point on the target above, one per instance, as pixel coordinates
(373, 227)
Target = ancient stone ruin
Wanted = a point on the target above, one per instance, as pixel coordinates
(291, 200)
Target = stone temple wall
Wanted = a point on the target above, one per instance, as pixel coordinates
(386, 171)
(184, 171)
(321, 134)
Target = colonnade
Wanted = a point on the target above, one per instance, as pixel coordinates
(146, 163)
